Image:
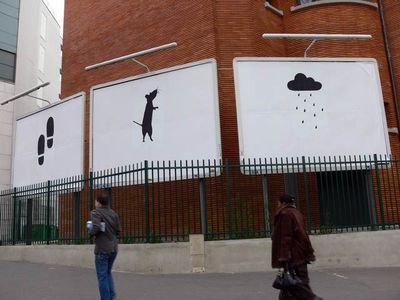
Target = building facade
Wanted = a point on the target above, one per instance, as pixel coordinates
(30, 54)
(221, 29)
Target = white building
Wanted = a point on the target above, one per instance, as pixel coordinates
(30, 54)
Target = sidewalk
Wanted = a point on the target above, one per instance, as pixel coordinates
(44, 282)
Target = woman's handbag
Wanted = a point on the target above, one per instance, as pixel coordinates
(286, 279)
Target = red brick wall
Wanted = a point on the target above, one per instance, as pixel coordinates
(95, 31)
(391, 11)
(354, 19)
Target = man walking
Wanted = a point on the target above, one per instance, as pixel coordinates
(105, 232)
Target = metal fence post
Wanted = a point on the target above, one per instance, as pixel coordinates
(19, 221)
(266, 205)
(378, 185)
(29, 221)
(146, 195)
(228, 191)
(90, 190)
(76, 196)
(48, 212)
(203, 206)
(303, 160)
(371, 200)
(14, 216)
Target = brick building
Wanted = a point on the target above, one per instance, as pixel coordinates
(96, 31)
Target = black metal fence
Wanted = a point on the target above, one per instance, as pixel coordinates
(166, 201)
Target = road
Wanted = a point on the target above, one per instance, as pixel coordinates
(21, 280)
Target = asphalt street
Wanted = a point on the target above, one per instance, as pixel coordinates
(20, 280)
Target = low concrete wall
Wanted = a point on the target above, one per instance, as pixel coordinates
(57, 255)
(238, 256)
(362, 249)
(143, 258)
(359, 249)
(154, 258)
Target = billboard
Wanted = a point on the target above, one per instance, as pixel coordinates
(309, 107)
(171, 114)
(49, 142)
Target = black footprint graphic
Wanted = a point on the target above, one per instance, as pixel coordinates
(50, 132)
(40, 150)
(42, 140)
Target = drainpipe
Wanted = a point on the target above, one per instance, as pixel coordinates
(389, 61)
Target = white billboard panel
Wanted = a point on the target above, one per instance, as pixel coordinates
(309, 107)
(170, 114)
(49, 143)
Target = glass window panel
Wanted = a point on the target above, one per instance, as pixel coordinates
(8, 24)
(7, 47)
(8, 10)
(7, 58)
(12, 3)
(6, 73)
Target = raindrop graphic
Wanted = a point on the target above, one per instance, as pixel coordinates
(305, 86)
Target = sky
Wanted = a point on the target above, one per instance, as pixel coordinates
(57, 6)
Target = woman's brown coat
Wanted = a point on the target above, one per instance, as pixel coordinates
(290, 242)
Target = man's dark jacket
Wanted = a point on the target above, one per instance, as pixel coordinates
(290, 242)
(106, 242)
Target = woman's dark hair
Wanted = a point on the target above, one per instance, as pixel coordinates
(103, 199)
(286, 198)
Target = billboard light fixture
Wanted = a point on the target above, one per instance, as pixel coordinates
(316, 37)
(26, 93)
(131, 57)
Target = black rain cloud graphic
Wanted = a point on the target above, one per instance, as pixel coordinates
(303, 83)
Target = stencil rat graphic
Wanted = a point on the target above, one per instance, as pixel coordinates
(148, 115)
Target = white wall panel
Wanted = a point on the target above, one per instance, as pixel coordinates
(182, 118)
(314, 107)
(43, 154)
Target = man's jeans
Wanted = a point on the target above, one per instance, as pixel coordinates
(104, 263)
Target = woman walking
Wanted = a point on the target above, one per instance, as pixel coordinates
(291, 247)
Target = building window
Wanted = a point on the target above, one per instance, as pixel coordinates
(41, 58)
(9, 13)
(43, 26)
(7, 66)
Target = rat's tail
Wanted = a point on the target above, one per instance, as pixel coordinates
(138, 123)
